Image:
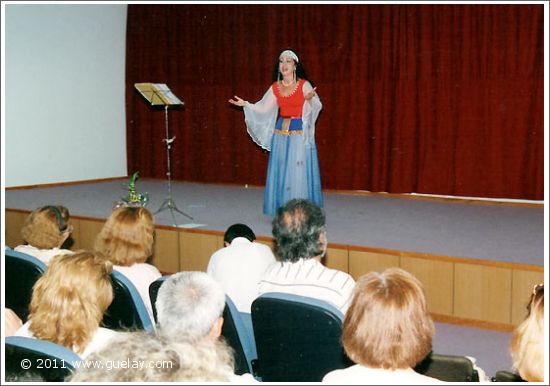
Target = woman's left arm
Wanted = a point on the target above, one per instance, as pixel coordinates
(310, 112)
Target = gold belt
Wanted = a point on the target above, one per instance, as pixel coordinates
(284, 130)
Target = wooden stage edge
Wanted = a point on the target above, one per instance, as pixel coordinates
(350, 247)
(452, 283)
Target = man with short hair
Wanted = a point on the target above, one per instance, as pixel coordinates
(240, 265)
(301, 242)
(190, 305)
(190, 308)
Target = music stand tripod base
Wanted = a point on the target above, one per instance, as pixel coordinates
(171, 205)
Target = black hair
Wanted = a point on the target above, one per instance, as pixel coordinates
(300, 71)
(297, 228)
(238, 230)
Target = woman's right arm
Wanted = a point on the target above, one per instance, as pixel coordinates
(238, 101)
(260, 117)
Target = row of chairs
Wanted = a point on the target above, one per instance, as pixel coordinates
(293, 338)
(286, 338)
(127, 311)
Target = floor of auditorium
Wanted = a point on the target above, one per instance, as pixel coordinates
(461, 228)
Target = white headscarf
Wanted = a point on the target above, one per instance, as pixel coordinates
(289, 53)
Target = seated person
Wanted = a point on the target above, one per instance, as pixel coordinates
(12, 322)
(240, 265)
(301, 242)
(127, 241)
(45, 230)
(156, 359)
(387, 331)
(527, 345)
(190, 308)
(68, 303)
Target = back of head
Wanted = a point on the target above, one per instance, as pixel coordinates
(69, 299)
(127, 236)
(155, 359)
(388, 325)
(44, 227)
(238, 230)
(527, 345)
(188, 304)
(297, 228)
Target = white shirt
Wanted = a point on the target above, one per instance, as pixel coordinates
(45, 255)
(141, 275)
(358, 374)
(308, 277)
(239, 268)
(101, 337)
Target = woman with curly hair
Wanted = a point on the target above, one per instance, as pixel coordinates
(69, 300)
(45, 231)
(157, 359)
(127, 240)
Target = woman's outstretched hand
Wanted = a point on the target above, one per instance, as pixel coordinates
(237, 101)
(310, 94)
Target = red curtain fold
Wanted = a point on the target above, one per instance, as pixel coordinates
(438, 99)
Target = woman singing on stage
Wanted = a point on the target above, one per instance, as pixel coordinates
(283, 122)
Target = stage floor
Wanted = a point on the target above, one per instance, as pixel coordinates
(488, 231)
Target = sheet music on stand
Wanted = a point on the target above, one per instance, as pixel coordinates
(158, 94)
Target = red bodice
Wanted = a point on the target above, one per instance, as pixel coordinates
(291, 105)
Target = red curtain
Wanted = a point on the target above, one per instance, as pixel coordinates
(438, 99)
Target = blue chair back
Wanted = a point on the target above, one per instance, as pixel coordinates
(35, 360)
(22, 271)
(238, 333)
(127, 311)
(298, 339)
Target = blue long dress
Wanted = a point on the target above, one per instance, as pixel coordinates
(293, 168)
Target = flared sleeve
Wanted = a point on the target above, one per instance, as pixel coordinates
(310, 112)
(260, 118)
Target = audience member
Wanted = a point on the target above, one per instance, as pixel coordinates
(45, 230)
(387, 331)
(140, 357)
(69, 300)
(127, 240)
(240, 265)
(12, 322)
(301, 242)
(527, 345)
(190, 308)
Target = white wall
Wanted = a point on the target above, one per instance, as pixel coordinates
(64, 93)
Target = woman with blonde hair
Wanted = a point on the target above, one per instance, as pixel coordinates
(45, 231)
(127, 240)
(387, 331)
(527, 345)
(69, 300)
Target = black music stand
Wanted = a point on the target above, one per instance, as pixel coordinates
(158, 94)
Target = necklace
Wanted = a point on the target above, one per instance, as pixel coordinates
(286, 84)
